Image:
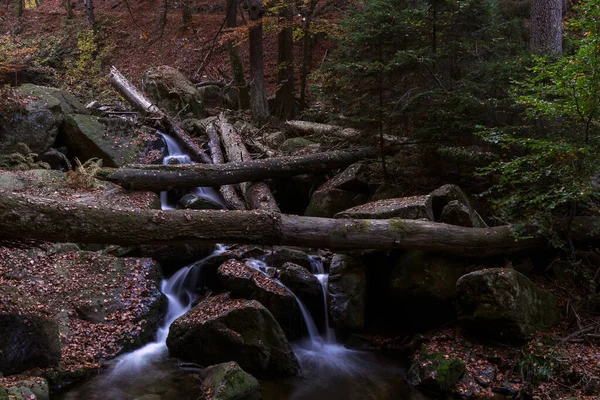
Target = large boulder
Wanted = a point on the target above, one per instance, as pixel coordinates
(57, 100)
(503, 304)
(281, 255)
(35, 127)
(28, 339)
(221, 329)
(414, 207)
(227, 381)
(115, 141)
(328, 202)
(443, 195)
(347, 292)
(249, 283)
(421, 287)
(170, 90)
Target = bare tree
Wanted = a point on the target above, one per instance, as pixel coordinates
(285, 101)
(546, 27)
(237, 67)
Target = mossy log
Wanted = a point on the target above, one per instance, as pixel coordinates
(167, 177)
(25, 217)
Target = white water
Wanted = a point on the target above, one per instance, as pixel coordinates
(176, 155)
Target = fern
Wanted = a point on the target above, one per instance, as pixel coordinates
(84, 175)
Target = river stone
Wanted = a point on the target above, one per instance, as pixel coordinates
(170, 90)
(421, 287)
(414, 207)
(249, 283)
(282, 255)
(347, 292)
(444, 195)
(227, 381)
(194, 202)
(504, 305)
(115, 141)
(435, 372)
(221, 329)
(306, 286)
(28, 387)
(328, 202)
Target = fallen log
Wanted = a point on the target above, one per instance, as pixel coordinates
(228, 192)
(304, 128)
(26, 217)
(257, 194)
(168, 124)
(167, 177)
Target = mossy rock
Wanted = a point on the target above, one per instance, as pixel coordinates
(227, 381)
(435, 372)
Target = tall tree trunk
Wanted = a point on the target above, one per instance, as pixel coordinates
(546, 27)
(237, 67)
(68, 8)
(89, 13)
(308, 13)
(285, 95)
(258, 95)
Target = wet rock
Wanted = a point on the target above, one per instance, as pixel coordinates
(415, 207)
(282, 255)
(28, 388)
(328, 202)
(306, 286)
(421, 287)
(221, 329)
(170, 90)
(27, 340)
(353, 179)
(227, 381)
(249, 283)
(347, 292)
(504, 305)
(435, 372)
(195, 202)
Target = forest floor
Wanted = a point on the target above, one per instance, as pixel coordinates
(562, 364)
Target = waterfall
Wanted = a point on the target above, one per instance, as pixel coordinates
(180, 290)
(176, 155)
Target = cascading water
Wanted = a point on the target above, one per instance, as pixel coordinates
(176, 155)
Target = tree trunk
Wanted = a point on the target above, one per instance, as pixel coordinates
(24, 217)
(227, 191)
(89, 13)
(167, 177)
(142, 104)
(237, 67)
(315, 128)
(258, 95)
(546, 27)
(68, 8)
(306, 49)
(257, 194)
(285, 101)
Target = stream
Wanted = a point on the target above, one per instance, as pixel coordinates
(329, 371)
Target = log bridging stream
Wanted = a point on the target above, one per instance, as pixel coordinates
(26, 217)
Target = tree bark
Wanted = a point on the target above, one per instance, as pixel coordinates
(237, 67)
(227, 191)
(315, 128)
(142, 104)
(546, 27)
(167, 177)
(24, 217)
(258, 95)
(285, 101)
(89, 13)
(257, 194)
